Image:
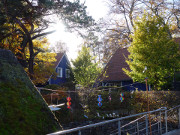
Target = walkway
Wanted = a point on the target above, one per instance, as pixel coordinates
(174, 132)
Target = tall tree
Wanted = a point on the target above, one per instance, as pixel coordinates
(118, 27)
(92, 41)
(152, 47)
(33, 20)
(60, 46)
(85, 70)
(43, 61)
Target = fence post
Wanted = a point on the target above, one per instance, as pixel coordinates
(119, 127)
(179, 117)
(137, 128)
(160, 124)
(146, 124)
(79, 132)
(166, 120)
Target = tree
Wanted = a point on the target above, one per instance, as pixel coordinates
(119, 25)
(85, 71)
(91, 40)
(12, 42)
(43, 61)
(152, 47)
(60, 47)
(111, 42)
(33, 20)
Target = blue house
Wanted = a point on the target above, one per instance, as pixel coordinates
(115, 76)
(63, 70)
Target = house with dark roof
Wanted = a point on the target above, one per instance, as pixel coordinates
(115, 76)
(62, 68)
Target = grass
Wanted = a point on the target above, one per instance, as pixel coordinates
(22, 109)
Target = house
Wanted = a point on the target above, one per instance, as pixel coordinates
(115, 76)
(63, 70)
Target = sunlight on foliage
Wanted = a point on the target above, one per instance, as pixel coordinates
(43, 61)
(85, 71)
(152, 47)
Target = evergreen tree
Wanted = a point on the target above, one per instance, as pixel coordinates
(85, 71)
(152, 47)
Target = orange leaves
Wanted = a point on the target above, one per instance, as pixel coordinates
(13, 41)
(43, 61)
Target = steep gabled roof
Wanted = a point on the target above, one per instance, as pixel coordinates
(58, 58)
(114, 67)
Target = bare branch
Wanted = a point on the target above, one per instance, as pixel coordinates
(42, 34)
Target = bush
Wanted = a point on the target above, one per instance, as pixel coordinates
(135, 102)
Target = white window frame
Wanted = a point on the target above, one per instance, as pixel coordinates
(67, 73)
(34, 3)
(59, 72)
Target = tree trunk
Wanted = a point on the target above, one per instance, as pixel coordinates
(31, 59)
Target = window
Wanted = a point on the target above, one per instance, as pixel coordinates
(67, 73)
(59, 72)
(34, 3)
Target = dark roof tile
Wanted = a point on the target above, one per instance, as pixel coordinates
(58, 58)
(114, 67)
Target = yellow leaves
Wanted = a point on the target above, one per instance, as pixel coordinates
(41, 43)
(43, 67)
(173, 27)
(47, 57)
(13, 41)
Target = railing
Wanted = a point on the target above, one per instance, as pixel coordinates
(159, 119)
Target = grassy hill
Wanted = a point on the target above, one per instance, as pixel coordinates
(22, 109)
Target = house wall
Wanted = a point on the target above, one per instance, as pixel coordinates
(129, 86)
(126, 85)
(64, 64)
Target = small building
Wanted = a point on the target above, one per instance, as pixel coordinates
(63, 70)
(115, 76)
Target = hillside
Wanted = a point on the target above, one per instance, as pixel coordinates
(22, 108)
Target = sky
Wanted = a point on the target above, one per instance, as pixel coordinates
(96, 8)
